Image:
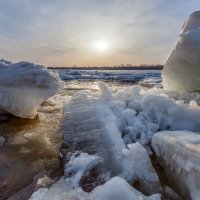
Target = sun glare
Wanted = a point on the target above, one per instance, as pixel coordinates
(101, 45)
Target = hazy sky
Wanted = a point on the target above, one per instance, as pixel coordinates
(65, 32)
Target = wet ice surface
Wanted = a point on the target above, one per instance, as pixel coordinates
(85, 130)
(31, 145)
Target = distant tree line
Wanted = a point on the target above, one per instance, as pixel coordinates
(121, 67)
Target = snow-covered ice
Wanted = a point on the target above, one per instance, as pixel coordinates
(65, 77)
(143, 112)
(182, 71)
(118, 189)
(79, 164)
(112, 130)
(90, 126)
(179, 154)
(24, 86)
(115, 189)
(40, 194)
(138, 167)
(45, 182)
(113, 75)
(61, 191)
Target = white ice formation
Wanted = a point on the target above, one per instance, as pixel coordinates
(138, 167)
(24, 86)
(143, 112)
(99, 128)
(79, 164)
(179, 154)
(118, 189)
(115, 189)
(182, 69)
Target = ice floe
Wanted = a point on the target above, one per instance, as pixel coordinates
(179, 154)
(118, 189)
(24, 86)
(114, 75)
(143, 112)
(2, 141)
(182, 71)
(89, 120)
(138, 168)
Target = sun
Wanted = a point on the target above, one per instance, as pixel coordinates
(101, 45)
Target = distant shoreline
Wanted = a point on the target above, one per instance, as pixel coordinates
(159, 67)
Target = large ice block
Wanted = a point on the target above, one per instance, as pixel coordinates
(138, 168)
(115, 189)
(179, 154)
(90, 126)
(182, 69)
(24, 86)
(118, 189)
(60, 191)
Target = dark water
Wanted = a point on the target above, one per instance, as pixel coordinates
(31, 145)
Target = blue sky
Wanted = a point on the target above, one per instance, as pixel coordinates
(61, 32)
